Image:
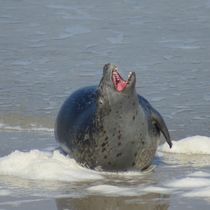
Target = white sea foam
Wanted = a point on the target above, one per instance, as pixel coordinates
(53, 166)
(196, 184)
(127, 191)
(4, 192)
(47, 165)
(203, 192)
(113, 190)
(200, 174)
(40, 165)
(156, 189)
(191, 145)
(189, 182)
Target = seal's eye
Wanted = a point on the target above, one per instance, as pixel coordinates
(101, 101)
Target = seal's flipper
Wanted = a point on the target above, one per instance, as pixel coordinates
(159, 122)
(156, 119)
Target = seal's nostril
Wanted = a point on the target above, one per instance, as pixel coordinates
(106, 66)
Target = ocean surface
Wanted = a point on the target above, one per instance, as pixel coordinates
(50, 48)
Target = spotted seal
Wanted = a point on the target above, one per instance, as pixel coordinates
(110, 126)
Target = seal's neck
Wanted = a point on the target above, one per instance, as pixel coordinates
(113, 103)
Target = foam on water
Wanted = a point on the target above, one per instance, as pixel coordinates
(203, 192)
(4, 192)
(54, 166)
(136, 190)
(113, 190)
(197, 145)
(47, 165)
(189, 182)
(40, 165)
(196, 184)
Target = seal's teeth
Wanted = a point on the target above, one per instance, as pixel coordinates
(115, 69)
(129, 75)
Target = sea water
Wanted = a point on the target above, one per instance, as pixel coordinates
(48, 49)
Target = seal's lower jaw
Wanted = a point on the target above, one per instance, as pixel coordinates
(119, 83)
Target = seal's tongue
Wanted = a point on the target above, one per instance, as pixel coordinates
(119, 83)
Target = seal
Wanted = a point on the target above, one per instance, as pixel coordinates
(110, 127)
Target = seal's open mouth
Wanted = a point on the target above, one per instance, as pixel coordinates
(119, 83)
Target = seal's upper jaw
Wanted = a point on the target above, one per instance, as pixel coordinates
(119, 83)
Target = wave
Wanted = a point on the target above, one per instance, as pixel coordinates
(53, 166)
(38, 165)
(195, 184)
(19, 122)
(30, 127)
(196, 145)
(45, 165)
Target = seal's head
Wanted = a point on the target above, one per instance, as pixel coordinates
(113, 80)
(113, 89)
